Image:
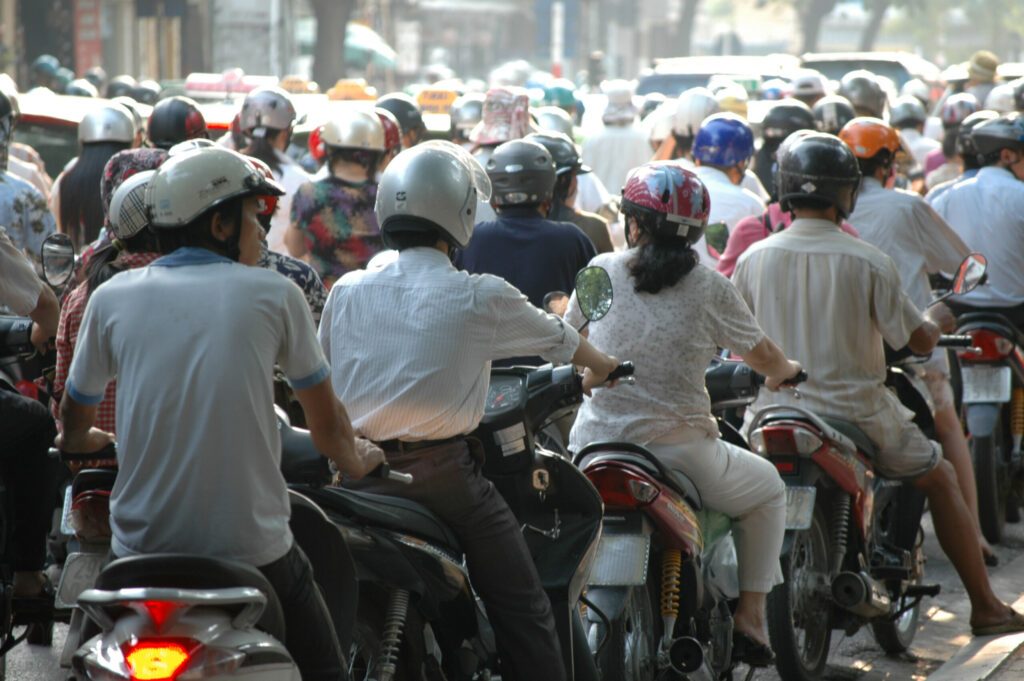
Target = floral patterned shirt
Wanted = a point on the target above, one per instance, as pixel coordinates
(304, 276)
(25, 215)
(337, 220)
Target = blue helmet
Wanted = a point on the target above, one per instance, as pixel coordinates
(724, 139)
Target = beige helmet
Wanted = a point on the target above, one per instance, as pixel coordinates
(267, 107)
(189, 184)
(354, 129)
(111, 123)
(435, 181)
(128, 214)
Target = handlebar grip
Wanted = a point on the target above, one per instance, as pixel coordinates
(621, 371)
(384, 472)
(959, 341)
(796, 380)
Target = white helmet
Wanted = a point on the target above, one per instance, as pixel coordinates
(128, 214)
(111, 123)
(917, 88)
(693, 106)
(266, 107)
(435, 181)
(554, 119)
(354, 129)
(189, 184)
(1000, 98)
(190, 145)
(660, 121)
(809, 84)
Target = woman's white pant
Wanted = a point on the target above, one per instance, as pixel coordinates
(743, 486)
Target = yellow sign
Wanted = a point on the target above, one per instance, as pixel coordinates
(436, 101)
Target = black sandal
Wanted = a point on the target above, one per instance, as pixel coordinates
(753, 653)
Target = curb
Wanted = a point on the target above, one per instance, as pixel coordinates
(983, 655)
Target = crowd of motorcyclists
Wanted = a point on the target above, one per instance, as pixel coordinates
(384, 274)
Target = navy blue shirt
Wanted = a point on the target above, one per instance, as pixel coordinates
(535, 255)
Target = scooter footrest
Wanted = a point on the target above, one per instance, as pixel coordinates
(921, 590)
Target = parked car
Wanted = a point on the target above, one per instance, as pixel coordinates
(672, 76)
(899, 67)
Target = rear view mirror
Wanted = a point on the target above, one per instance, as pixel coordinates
(969, 274)
(58, 258)
(594, 292)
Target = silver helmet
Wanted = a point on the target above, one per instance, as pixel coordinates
(110, 123)
(436, 181)
(267, 107)
(354, 129)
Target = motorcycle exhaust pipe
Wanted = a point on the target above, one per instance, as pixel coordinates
(860, 594)
(685, 655)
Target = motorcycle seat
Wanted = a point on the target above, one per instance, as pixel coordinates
(988, 318)
(186, 571)
(848, 428)
(600, 452)
(389, 512)
(90, 479)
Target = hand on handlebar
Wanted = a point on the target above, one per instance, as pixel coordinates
(593, 379)
(940, 315)
(89, 442)
(42, 340)
(370, 456)
(773, 383)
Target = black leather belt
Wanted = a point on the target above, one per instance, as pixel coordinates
(403, 446)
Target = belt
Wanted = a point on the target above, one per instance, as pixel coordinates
(402, 446)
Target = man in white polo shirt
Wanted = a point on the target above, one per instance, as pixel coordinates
(193, 340)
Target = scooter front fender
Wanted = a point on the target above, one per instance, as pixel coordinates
(981, 418)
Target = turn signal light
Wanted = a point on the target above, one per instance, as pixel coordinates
(158, 659)
(622, 488)
(784, 440)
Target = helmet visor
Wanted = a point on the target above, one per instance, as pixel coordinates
(477, 174)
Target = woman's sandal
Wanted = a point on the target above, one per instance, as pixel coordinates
(1011, 626)
(753, 653)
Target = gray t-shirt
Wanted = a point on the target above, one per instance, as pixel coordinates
(671, 337)
(192, 340)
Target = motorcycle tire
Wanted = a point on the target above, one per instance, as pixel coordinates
(39, 634)
(364, 653)
(630, 646)
(799, 627)
(992, 482)
(895, 636)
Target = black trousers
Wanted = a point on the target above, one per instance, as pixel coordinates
(447, 480)
(26, 433)
(309, 631)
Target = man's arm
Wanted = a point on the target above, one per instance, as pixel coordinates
(598, 365)
(767, 358)
(78, 436)
(332, 431)
(46, 316)
(924, 338)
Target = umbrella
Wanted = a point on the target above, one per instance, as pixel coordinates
(364, 46)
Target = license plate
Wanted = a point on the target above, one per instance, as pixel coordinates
(986, 384)
(799, 507)
(79, 573)
(621, 560)
(65, 516)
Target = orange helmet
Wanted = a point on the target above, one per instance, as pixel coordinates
(868, 137)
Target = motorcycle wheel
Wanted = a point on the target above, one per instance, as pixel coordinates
(895, 637)
(364, 653)
(799, 627)
(628, 652)
(992, 482)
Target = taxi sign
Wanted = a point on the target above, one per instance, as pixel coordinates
(352, 88)
(436, 101)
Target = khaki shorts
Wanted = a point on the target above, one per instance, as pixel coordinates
(904, 453)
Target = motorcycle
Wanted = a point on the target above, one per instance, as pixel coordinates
(992, 378)
(418, 616)
(853, 552)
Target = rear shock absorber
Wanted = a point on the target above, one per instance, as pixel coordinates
(840, 530)
(391, 641)
(1017, 420)
(671, 572)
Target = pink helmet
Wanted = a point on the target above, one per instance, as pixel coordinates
(392, 130)
(667, 200)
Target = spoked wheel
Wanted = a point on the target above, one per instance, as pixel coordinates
(799, 624)
(895, 636)
(628, 652)
(993, 482)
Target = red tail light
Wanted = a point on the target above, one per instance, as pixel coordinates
(784, 439)
(90, 514)
(787, 466)
(988, 346)
(622, 488)
(160, 659)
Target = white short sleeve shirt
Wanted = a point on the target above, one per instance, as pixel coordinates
(192, 340)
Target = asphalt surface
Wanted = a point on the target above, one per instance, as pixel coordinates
(943, 631)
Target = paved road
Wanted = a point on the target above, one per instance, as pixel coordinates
(944, 629)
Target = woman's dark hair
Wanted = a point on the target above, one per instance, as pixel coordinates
(197, 233)
(868, 166)
(409, 232)
(81, 207)
(263, 149)
(101, 265)
(662, 261)
(364, 157)
(949, 141)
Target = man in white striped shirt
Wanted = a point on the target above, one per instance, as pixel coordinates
(829, 299)
(410, 347)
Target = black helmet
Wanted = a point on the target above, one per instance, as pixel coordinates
(521, 172)
(1018, 94)
(174, 120)
(405, 110)
(9, 105)
(80, 87)
(97, 76)
(964, 143)
(818, 166)
(563, 151)
(1004, 132)
(864, 92)
(784, 118)
(832, 112)
(44, 68)
(146, 92)
(120, 86)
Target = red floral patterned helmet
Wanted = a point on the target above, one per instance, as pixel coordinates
(268, 202)
(392, 131)
(667, 200)
(316, 145)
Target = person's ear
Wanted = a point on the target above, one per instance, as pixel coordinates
(220, 227)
